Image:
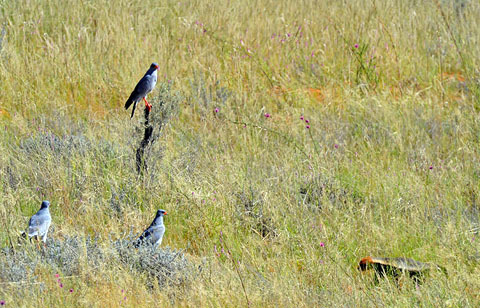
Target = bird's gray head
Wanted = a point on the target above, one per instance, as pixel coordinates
(161, 213)
(45, 204)
(154, 66)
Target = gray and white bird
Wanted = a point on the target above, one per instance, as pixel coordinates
(154, 234)
(143, 87)
(40, 222)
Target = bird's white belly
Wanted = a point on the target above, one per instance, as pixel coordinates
(157, 236)
(154, 82)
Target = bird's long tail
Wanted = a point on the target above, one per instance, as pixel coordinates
(128, 102)
(133, 109)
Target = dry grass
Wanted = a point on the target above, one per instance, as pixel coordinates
(388, 167)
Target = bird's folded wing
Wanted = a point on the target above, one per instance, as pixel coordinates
(40, 220)
(32, 230)
(144, 86)
(145, 234)
(33, 222)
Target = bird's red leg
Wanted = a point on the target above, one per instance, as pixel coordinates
(148, 105)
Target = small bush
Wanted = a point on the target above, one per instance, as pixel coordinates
(167, 266)
(20, 263)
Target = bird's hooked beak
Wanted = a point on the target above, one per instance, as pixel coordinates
(164, 213)
(156, 67)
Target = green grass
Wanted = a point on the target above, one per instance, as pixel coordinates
(390, 163)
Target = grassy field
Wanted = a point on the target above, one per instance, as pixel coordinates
(265, 209)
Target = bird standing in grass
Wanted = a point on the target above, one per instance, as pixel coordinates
(40, 222)
(143, 87)
(154, 234)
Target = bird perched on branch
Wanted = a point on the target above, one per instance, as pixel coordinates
(154, 234)
(143, 87)
(40, 222)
